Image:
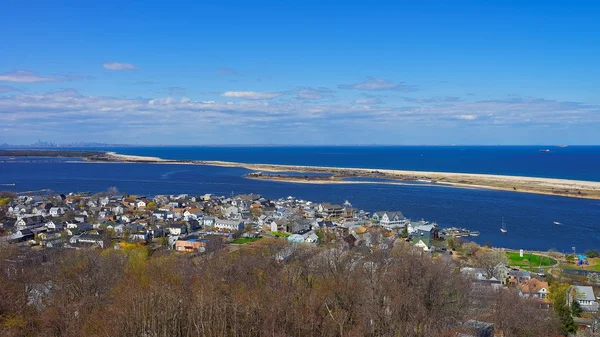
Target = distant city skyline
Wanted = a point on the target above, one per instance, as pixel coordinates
(313, 73)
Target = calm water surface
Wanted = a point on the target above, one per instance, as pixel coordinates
(529, 217)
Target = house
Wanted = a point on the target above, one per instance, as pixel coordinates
(54, 226)
(422, 243)
(518, 276)
(177, 229)
(329, 210)
(91, 239)
(584, 295)
(310, 237)
(191, 245)
(429, 231)
(230, 225)
(390, 219)
(139, 236)
(29, 222)
(276, 226)
(140, 204)
(208, 221)
(534, 288)
(80, 218)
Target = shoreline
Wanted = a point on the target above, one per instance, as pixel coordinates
(343, 175)
(545, 186)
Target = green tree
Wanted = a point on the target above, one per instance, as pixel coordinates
(591, 253)
(151, 206)
(558, 295)
(576, 309)
(405, 232)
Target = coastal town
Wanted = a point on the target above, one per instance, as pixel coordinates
(190, 226)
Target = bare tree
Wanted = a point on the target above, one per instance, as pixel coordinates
(488, 260)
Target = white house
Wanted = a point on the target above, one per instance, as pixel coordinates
(584, 295)
(56, 211)
(310, 237)
(390, 219)
(230, 225)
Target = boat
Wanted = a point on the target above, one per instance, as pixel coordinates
(503, 229)
(474, 233)
(557, 223)
(544, 150)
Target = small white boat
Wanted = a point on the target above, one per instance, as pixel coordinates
(474, 233)
(503, 229)
(544, 150)
(557, 223)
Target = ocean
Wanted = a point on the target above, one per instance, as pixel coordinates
(529, 217)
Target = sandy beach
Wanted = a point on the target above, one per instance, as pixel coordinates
(337, 175)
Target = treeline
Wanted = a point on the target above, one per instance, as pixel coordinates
(268, 289)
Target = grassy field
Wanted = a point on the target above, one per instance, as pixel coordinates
(241, 241)
(280, 234)
(529, 259)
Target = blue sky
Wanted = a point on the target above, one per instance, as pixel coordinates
(306, 72)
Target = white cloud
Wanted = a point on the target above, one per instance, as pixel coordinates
(372, 100)
(379, 84)
(253, 95)
(119, 66)
(68, 112)
(26, 76)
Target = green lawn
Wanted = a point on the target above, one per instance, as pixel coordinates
(529, 259)
(280, 234)
(241, 241)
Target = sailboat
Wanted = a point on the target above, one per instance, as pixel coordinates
(503, 229)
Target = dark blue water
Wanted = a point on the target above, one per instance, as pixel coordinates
(573, 162)
(529, 217)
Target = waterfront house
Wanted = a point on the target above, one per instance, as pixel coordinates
(584, 295)
(389, 219)
(329, 210)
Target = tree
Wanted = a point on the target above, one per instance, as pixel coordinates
(112, 191)
(488, 260)
(558, 296)
(576, 308)
(591, 254)
(151, 206)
